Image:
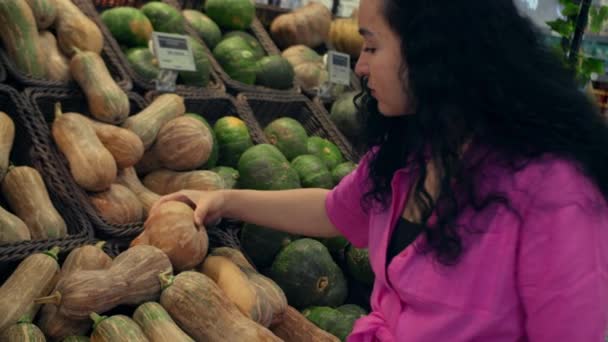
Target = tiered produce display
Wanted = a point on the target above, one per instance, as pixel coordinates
(83, 159)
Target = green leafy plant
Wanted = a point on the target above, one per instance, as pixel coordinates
(576, 15)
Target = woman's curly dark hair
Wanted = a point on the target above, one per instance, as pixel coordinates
(477, 70)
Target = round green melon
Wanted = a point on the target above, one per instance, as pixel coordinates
(206, 28)
(237, 59)
(230, 176)
(231, 14)
(274, 72)
(164, 18)
(342, 170)
(262, 167)
(330, 320)
(327, 151)
(336, 247)
(233, 139)
(213, 157)
(357, 262)
(263, 244)
(143, 63)
(289, 136)
(313, 172)
(128, 25)
(308, 275)
(344, 115)
(352, 310)
(201, 76)
(252, 42)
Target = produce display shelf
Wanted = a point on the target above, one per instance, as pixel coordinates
(31, 147)
(315, 119)
(42, 101)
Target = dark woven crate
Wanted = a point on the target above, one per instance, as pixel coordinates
(215, 82)
(29, 149)
(42, 101)
(2, 73)
(267, 108)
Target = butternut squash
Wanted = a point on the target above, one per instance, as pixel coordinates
(234, 255)
(297, 328)
(7, 137)
(128, 178)
(57, 65)
(26, 194)
(91, 164)
(158, 325)
(117, 328)
(171, 228)
(45, 12)
(22, 331)
(165, 182)
(344, 36)
(76, 30)
(149, 121)
(126, 147)
(131, 279)
(148, 163)
(184, 143)
(34, 277)
(20, 37)
(200, 307)
(12, 228)
(118, 205)
(308, 25)
(107, 101)
(55, 325)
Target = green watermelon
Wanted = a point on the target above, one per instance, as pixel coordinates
(342, 170)
(274, 72)
(253, 44)
(263, 244)
(231, 14)
(357, 262)
(326, 150)
(308, 275)
(313, 172)
(233, 138)
(330, 320)
(237, 59)
(200, 77)
(230, 176)
(213, 157)
(164, 18)
(128, 25)
(143, 63)
(344, 115)
(289, 136)
(263, 167)
(206, 28)
(336, 246)
(352, 310)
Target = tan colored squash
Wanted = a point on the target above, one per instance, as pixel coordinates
(55, 325)
(7, 137)
(297, 328)
(344, 36)
(307, 25)
(201, 308)
(128, 178)
(117, 328)
(107, 101)
(91, 164)
(126, 147)
(45, 12)
(234, 255)
(184, 143)
(76, 30)
(158, 325)
(132, 279)
(149, 121)
(165, 182)
(118, 205)
(12, 228)
(22, 331)
(29, 199)
(148, 163)
(171, 228)
(311, 75)
(57, 65)
(34, 277)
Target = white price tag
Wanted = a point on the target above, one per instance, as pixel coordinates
(173, 51)
(346, 8)
(339, 67)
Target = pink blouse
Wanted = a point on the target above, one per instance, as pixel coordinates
(541, 278)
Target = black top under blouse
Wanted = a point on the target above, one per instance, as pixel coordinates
(404, 234)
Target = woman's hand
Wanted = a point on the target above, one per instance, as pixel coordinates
(207, 205)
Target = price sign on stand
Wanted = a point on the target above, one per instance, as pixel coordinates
(339, 67)
(173, 53)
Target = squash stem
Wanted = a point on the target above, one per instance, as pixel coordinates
(96, 319)
(58, 111)
(53, 252)
(166, 279)
(100, 244)
(54, 299)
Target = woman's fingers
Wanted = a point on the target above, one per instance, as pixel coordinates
(188, 197)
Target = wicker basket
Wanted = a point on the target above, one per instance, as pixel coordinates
(42, 101)
(29, 149)
(266, 108)
(140, 83)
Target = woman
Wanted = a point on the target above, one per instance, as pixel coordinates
(483, 197)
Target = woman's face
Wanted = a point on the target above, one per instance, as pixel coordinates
(380, 60)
